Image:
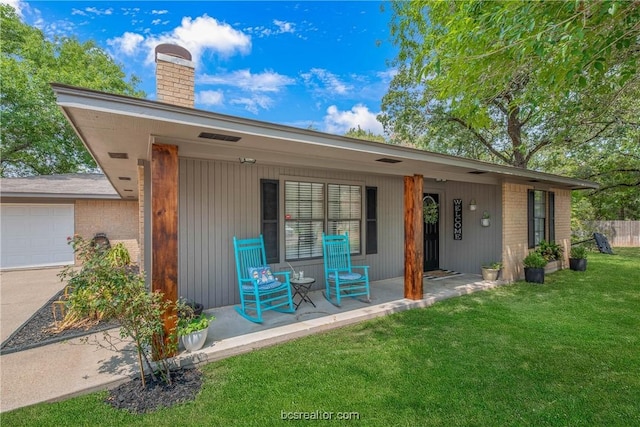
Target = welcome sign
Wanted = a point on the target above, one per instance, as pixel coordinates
(457, 219)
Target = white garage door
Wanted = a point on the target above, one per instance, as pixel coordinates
(35, 235)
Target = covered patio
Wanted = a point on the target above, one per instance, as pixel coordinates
(229, 334)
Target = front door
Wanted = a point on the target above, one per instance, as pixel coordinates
(431, 236)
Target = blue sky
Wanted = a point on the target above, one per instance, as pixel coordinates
(299, 63)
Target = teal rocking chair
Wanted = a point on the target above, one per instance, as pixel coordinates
(260, 289)
(340, 276)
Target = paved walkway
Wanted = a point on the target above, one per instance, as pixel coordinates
(61, 370)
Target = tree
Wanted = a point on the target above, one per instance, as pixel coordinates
(36, 138)
(508, 81)
(364, 134)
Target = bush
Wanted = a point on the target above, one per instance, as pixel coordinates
(578, 252)
(534, 260)
(550, 251)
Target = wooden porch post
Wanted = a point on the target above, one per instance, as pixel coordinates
(164, 226)
(413, 237)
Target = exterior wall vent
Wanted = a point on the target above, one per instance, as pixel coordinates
(477, 172)
(219, 137)
(388, 160)
(119, 155)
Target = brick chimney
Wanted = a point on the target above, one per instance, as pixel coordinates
(174, 75)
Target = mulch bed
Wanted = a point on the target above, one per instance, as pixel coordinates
(131, 396)
(36, 332)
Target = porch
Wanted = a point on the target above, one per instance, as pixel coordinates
(230, 334)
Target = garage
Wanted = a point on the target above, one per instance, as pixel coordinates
(35, 235)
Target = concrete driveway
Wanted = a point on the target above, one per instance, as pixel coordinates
(22, 293)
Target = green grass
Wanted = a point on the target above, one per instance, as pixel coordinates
(563, 353)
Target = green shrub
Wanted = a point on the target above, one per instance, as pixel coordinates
(578, 252)
(551, 251)
(534, 260)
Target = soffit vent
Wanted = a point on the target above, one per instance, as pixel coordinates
(219, 137)
(477, 172)
(124, 178)
(388, 160)
(119, 155)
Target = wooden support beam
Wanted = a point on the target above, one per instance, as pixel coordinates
(164, 226)
(413, 237)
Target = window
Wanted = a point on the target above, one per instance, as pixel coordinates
(345, 213)
(304, 219)
(538, 215)
(312, 208)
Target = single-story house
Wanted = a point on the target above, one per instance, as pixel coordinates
(39, 213)
(201, 178)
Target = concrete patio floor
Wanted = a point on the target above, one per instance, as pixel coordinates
(61, 370)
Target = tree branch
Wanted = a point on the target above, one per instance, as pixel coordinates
(623, 184)
(480, 138)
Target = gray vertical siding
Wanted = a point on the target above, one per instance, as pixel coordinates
(479, 245)
(219, 200)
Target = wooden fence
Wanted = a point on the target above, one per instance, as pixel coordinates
(619, 233)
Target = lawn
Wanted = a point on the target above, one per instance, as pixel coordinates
(563, 353)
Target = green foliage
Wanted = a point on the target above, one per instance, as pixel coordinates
(188, 322)
(366, 135)
(497, 265)
(194, 324)
(430, 213)
(36, 139)
(107, 287)
(118, 255)
(550, 251)
(534, 260)
(581, 370)
(512, 82)
(578, 252)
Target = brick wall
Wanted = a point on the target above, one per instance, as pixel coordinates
(175, 80)
(117, 218)
(514, 230)
(141, 215)
(515, 227)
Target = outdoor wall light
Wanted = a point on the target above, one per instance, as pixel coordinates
(247, 160)
(472, 205)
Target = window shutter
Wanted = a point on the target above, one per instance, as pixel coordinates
(530, 218)
(269, 225)
(552, 216)
(372, 220)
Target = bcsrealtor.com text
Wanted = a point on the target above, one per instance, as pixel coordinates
(319, 415)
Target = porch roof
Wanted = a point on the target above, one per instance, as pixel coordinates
(119, 130)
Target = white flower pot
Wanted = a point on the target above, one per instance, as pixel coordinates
(485, 222)
(195, 340)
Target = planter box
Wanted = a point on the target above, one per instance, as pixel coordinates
(553, 266)
(578, 264)
(534, 275)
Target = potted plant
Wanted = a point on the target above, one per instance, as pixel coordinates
(193, 332)
(486, 219)
(534, 267)
(473, 205)
(491, 271)
(578, 258)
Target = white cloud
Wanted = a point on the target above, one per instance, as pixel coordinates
(159, 12)
(97, 11)
(339, 122)
(325, 83)
(254, 103)
(284, 27)
(210, 97)
(267, 81)
(128, 43)
(196, 35)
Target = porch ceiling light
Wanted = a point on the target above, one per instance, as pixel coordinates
(247, 160)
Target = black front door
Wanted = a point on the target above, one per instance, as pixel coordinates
(431, 236)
